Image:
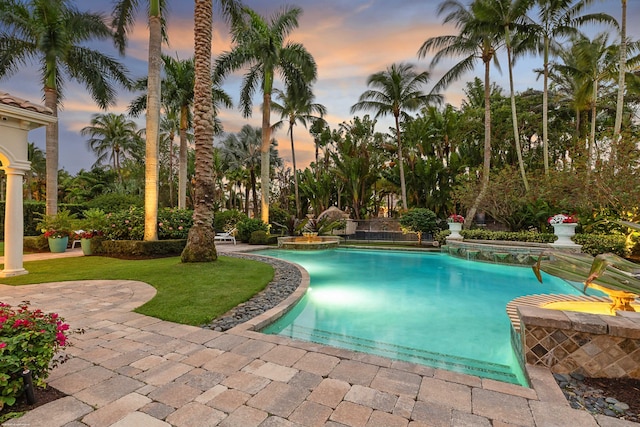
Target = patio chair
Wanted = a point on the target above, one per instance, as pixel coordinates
(76, 233)
(226, 237)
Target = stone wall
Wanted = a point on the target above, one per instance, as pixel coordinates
(589, 344)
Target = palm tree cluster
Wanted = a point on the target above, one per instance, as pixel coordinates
(498, 154)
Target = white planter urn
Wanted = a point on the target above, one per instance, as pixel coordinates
(455, 228)
(564, 231)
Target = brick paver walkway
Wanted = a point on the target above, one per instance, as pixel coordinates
(130, 370)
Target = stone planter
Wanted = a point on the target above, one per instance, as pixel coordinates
(564, 232)
(86, 246)
(455, 228)
(58, 245)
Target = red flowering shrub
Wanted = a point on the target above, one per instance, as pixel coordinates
(28, 341)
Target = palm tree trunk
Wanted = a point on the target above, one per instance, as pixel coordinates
(514, 118)
(487, 149)
(254, 193)
(152, 129)
(182, 161)
(295, 171)
(264, 156)
(592, 135)
(51, 101)
(623, 65)
(545, 108)
(200, 242)
(403, 186)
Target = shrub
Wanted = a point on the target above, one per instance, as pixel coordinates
(174, 223)
(28, 341)
(115, 202)
(278, 217)
(141, 248)
(259, 237)
(520, 236)
(129, 224)
(227, 220)
(35, 243)
(248, 226)
(596, 244)
(419, 221)
(125, 225)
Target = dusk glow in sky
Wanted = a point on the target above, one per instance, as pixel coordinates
(349, 40)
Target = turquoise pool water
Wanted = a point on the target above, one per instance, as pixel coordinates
(431, 309)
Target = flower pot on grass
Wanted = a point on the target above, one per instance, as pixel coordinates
(86, 246)
(58, 244)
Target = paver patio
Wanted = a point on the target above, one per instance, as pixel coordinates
(131, 370)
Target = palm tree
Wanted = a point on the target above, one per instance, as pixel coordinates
(169, 126)
(595, 61)
(507, 19)
(473, 43)
(556, 19)
(52, 34)
(113, 138)
(123, 19)
(296, 105)
(261, 46)
(396, 91)
(200, 245)
(38, 172)
(242, 151)
(621, 73)
(177, 92)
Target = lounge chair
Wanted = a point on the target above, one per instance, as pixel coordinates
(226, 237)
(76, 234)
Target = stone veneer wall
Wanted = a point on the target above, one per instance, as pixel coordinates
(503, 252)
(589, 344)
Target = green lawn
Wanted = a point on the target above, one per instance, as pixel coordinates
(192, 294)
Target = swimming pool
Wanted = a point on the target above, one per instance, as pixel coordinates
(432, 309)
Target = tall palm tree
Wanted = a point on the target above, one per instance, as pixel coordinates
(261, 46)
(472, 43)
(52, 34)
(169, 126)
(296, 106)
(177, 93)
(556, 20)
(123, 20)
(507, 19)
(396, 91)
(200, 245)
(242, 151)
(113, 138)
(623, 62)
(595, 62)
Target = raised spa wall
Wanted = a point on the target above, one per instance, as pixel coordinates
(567, 342)
(497, 251)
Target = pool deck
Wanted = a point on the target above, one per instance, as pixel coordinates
(128, 369)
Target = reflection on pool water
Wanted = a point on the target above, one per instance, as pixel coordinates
(431, 309)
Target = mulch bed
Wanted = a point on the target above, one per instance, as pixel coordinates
(42, 396)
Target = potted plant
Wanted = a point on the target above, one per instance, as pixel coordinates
(564, 227)
(57, 229)
(455, 226)
(93, 224)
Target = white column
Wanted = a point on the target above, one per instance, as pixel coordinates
(13, 224)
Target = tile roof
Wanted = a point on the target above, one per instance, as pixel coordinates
(14, 101)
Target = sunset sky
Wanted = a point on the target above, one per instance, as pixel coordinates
(349, 40)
